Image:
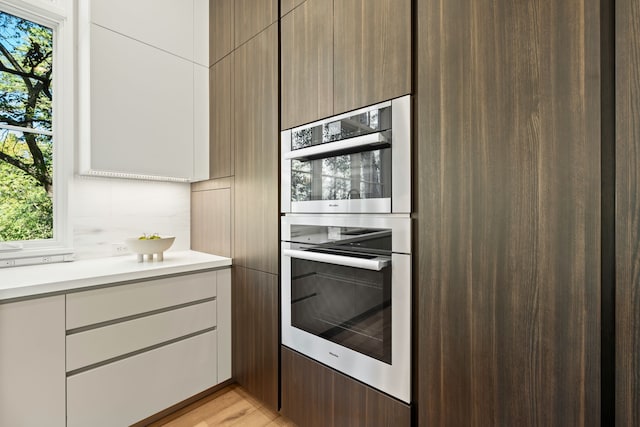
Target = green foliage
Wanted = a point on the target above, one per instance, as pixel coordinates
(27, 210)
(26, 159)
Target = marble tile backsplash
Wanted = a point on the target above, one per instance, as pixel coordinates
(104, 211)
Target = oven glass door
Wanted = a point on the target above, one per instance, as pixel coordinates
(360, 175)
(349, 306)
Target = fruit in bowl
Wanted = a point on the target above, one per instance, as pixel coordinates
(149, 245)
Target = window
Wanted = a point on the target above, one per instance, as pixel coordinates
(32, 138)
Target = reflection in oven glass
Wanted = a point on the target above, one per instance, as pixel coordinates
(347, 177)
(346, 305)
(376, 120)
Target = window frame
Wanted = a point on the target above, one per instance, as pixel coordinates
(58, 16)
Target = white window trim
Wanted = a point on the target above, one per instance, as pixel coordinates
(57, 15)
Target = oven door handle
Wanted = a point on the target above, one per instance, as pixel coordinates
(347, 261)
(371, 139)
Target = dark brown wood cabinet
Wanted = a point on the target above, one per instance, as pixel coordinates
(256, 239)
(507, 162)
(314, 395)
(221, 148)
(307, 63)
(221, 31)
(627, 322)
(255, 333)
(339, 55)
(252, 17)
(372, 52)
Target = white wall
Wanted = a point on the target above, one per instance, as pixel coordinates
(104, 211)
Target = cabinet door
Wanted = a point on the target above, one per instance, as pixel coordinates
(307, 63)
(287, 5)
(221, 29)
(253, 16)
(314, 395)
(508, 228)
(256, 210)
(627, 223)
(32, 363)
(372, 44)
(132, 389)
(141, 122)
(307, 390)
(221, 122)
(148, 21)
(255, 333)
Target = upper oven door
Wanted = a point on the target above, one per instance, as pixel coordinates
(357, 162)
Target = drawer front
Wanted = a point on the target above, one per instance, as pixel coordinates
(102, 305)
(127, 391)
(97, 345)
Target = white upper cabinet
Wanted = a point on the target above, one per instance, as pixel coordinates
(165, 24)
(144, 109)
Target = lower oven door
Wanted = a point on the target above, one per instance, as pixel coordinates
(351, 314)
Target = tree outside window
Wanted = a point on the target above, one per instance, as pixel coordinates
(26, 142)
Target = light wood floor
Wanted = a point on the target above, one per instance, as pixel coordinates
(231, 406)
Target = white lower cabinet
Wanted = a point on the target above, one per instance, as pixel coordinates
(124, 352)
(32, 375)
(136, 349)
(129, 390)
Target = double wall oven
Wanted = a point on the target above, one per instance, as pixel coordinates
(346, 244)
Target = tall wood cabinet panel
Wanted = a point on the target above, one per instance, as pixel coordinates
(256, 241)
(211, 221)
(221, 32)
(255, 333)
(314, 395)
(372, 48)
(253, 16)
(507, 161)
(307, 63)
(221, 118)
(287, 6)
(627, 213)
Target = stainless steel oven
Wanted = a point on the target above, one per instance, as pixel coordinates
(357, 162)
(346, 296)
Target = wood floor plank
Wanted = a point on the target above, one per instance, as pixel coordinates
(231, 406)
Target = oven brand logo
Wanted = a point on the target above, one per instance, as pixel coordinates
(333, 354)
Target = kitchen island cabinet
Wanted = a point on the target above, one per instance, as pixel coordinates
(32, 361)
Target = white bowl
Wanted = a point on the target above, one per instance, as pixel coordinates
(149, 247)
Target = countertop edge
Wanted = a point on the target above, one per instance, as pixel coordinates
(189, 261)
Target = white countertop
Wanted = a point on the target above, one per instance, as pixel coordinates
(32, 280)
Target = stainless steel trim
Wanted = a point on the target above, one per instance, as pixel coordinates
(400, 226)
(376, 264)
(342, 116)
(401, 155)
(394, 379)
(400, 201)
(332, 147)
(342, 206)
(285, 172)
